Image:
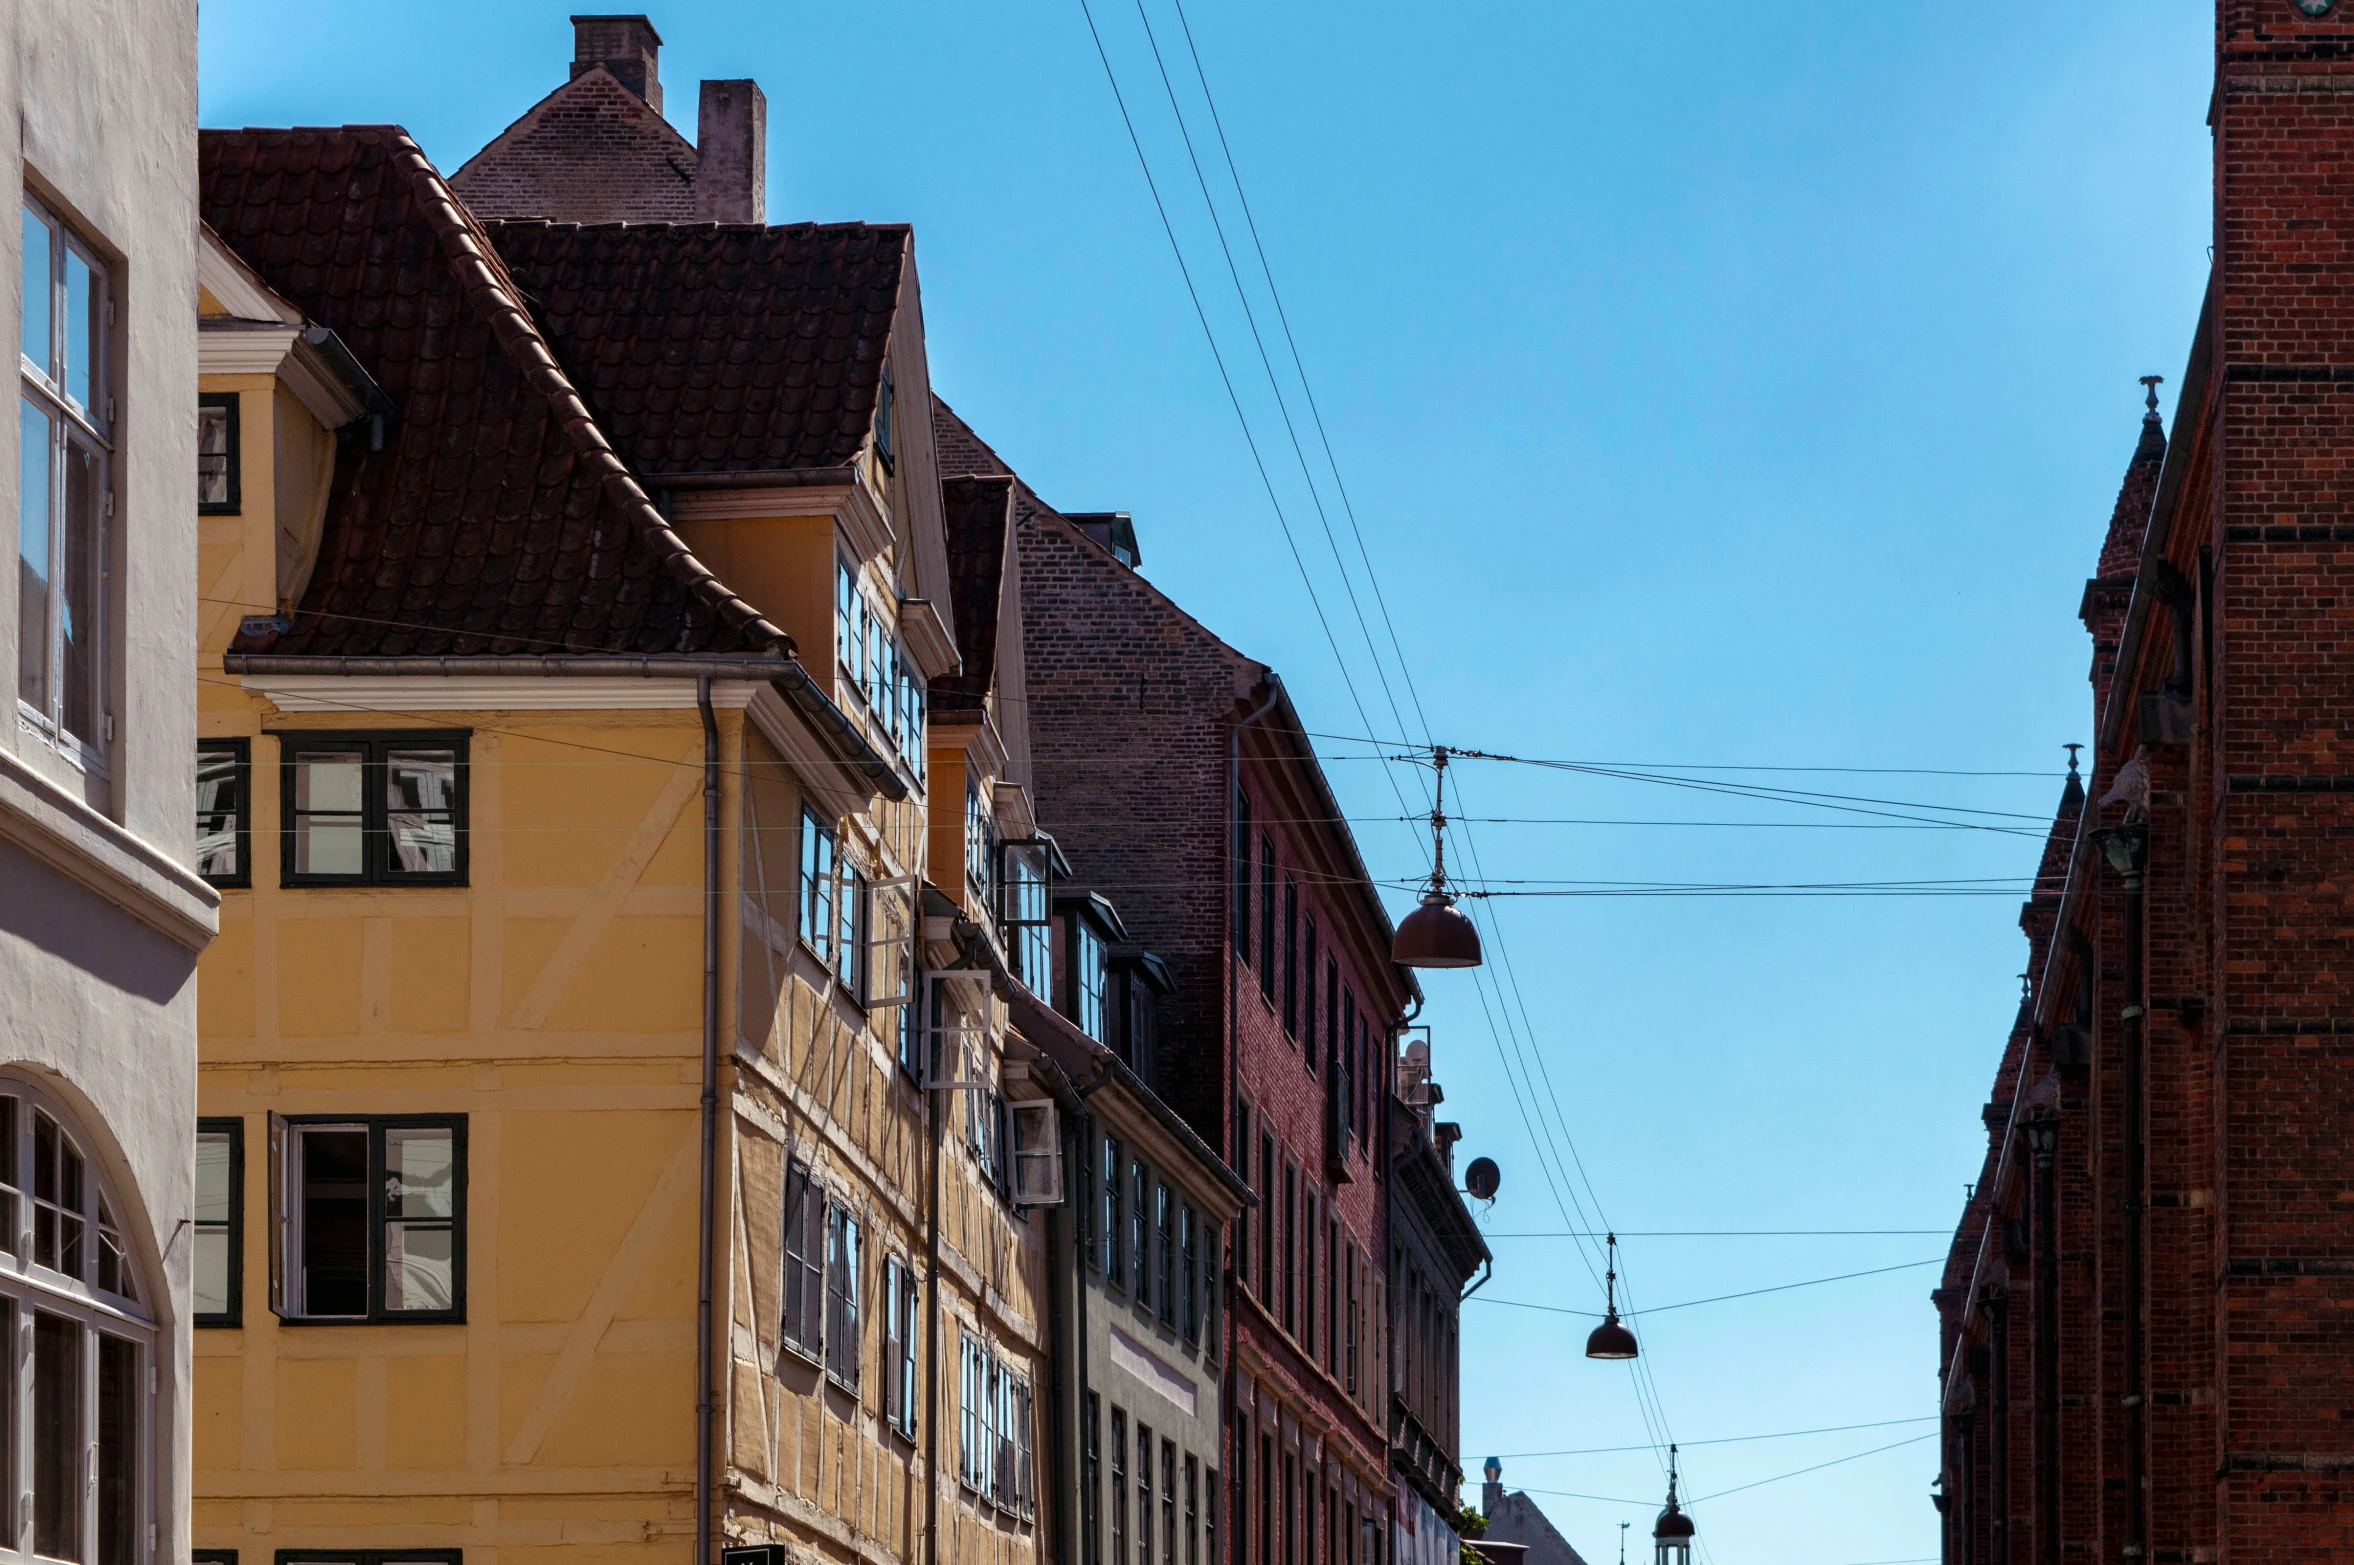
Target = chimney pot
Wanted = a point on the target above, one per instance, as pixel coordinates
(731, 153)
(627, 46)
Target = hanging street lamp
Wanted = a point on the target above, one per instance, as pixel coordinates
(1438, 933)
(1611, 1340)
(1672, 1536)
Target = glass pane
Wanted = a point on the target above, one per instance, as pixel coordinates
(118, 1451)
(217, 808)
(212, 456)
(38, 262)
(8, 1523)
(212, 1176)
(333, 1176)
(57, 1437)
(327, 835)
(79, 603)
(419, 1172)
(82, 332)
(32, 556)
(421, 802)
(420, 1271)
(211, 1288)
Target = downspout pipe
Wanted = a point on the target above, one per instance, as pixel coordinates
(2127, 848)
(706, 1223)
(1238, 1529)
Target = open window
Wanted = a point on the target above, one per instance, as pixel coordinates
(890, 941)
(368, 1219)
(1026, 870)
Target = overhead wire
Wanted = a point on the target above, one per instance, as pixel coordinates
(1778, 1434)
(1746, 1293)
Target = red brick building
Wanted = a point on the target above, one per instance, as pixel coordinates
(2145, 1348)
(1177, 779)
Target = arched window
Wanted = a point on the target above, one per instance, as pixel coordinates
(79, 1340)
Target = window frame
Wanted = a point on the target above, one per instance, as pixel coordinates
(233, 1126)
(901, 1320)
(375, 831)
(241, 753)
(809, 1345)
(845, 1243)
(71, 423)
(228, 402)
(284, 1128)
(360, 1556)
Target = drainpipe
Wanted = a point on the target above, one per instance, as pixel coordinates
(1072, 1427)
(932, 1119)
(1239, 1528)
(705, 1217)
(2127, 848)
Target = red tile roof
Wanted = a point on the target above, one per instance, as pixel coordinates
(718, 347)
(979, 517)
(497, 518)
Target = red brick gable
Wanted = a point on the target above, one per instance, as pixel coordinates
(592, 151)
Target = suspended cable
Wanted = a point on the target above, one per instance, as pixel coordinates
(1746, 1293)
(1779, 1434)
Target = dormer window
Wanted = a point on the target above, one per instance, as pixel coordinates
(1027, 867)
(1090, 980)
(874, 668)
(884, 397)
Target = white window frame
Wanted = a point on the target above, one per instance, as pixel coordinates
(1036, 1155)
(71, 423)
(890, 941)
(31, 1288)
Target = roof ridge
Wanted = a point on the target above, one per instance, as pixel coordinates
(469, 252)
(558, 91)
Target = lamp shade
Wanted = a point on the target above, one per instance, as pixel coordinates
(1611, 1340)
(1436, 934)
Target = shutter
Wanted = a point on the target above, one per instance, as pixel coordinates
(813, 1265)
(278, 1215)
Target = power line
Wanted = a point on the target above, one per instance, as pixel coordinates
(1746, 1293)
(1702, 1499)
(1779, 1434)
(1737, 1233)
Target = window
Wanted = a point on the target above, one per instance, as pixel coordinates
(871, 666)
(75, 1326)
(1091, 1480)
(1029, 896)
(369, 1217)
(1168, 1502)
(1090, 979)
(1139, 1241)
(972, 1469)
(350, 1556)
(1119, 1487)
(373, 809)
(220, 1222)
(1305, 1235)
(842, 1272)
(1266, 1499)
(1332, 1267)
(1239, 1155)
(1291, 965)
(1213, 1287)
(1308, 984)
(900, 1327)
(1290, 1242)
(1351, 1365)
(1114, 1234)
(1190, 1311)
(803, 1327)
(224, 816)
(1143, 1493)
(216, 453)
(1239, 892)
(833, 904)
(883, 403)
(1351, 1029)
(980, 850)
(1193, 1479)
(1018, 1491)
(64, 415)
(1269, 1185)
(1209, 1511)
(1165, 1226)
(1037, 1141)
(1267, 917)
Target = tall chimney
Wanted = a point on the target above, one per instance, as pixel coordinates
(625, 45)
(731, 153)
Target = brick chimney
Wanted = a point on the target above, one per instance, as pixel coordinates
(625, 45)
(731, 152)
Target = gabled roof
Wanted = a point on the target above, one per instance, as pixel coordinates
(496, 518)
(592, 149)
(2130, 518)
(979, 516)
(718, 347)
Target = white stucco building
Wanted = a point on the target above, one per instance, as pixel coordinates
(101, 914)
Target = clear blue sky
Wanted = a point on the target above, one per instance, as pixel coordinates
(1718, 385)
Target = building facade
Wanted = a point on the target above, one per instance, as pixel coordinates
(102, 915)
(2140, 1355)
(597, 889)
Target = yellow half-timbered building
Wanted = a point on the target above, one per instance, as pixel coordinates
(611, 1140)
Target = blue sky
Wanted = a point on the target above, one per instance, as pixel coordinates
(1726, 386)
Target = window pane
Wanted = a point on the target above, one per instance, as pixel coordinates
(38, 261)
(32, 555)
(13, 1183)
(333, 1188)
(81, 329)
(118, 1451)
(57, 1437)
(8, 1523)
(421, 811)
(79, 603)
(212, 456)
(420, 1237)
(218, 812)
(327, 837)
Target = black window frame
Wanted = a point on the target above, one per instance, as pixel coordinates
(241, 752)
(228, 401)
(212, 1557)
(375, 834)
(351, 1556)
(234, 1316)
(378, 1315)
(1267, 917)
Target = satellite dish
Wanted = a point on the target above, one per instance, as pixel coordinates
(1482, 1178)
